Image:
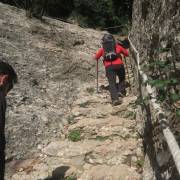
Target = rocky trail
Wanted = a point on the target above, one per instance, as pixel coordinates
(57, 126)
(100, 142)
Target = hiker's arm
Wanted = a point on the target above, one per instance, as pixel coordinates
(122, 50)
(98, 54)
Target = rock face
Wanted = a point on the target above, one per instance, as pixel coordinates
(52, 60)
(156, 35)
(57, 126)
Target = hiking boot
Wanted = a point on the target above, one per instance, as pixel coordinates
(122, 93)
(116, 102)
(121, 89)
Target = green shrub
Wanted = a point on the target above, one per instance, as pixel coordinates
(71, 178)
(140, 162)
(75, 135)
(88, 13)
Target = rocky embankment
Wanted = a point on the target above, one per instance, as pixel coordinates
(100, 143)
(57, 126)
(52, 59)
(156, 35)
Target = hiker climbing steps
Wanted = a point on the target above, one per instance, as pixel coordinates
(100, 142)
(111, 52)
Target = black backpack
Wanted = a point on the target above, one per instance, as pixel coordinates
(109, 46)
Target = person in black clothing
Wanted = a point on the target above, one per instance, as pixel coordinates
(7, 78)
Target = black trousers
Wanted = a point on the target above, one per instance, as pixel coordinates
(2, 135)
(111, 73)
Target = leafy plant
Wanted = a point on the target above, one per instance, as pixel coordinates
(174, 97)
(173, 81)
(71, 178)
(140, 162)
(158, 83)
(94, 13)
(160, 65)
(178, 113)
(165, 79)
(162, 95)
(75, 135)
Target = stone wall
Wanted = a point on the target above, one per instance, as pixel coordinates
(156, 35)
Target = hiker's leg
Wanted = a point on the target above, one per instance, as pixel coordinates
(121, 75)
(111, 76)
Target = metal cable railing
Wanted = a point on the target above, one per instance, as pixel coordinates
(169, 137)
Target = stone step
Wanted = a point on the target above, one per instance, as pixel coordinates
(86, 158)
(108, 146)
(98, 106)
(117, 172)
(104, 128)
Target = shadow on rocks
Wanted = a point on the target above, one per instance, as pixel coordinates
(103, 87)
(58, 173)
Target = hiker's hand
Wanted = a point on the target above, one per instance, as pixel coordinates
(94, 57)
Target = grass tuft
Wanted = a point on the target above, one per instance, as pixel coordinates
(75, 135)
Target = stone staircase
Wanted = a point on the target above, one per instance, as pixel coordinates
(99, 142)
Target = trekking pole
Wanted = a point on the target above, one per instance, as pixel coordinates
(97, 71)
(127, 73)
